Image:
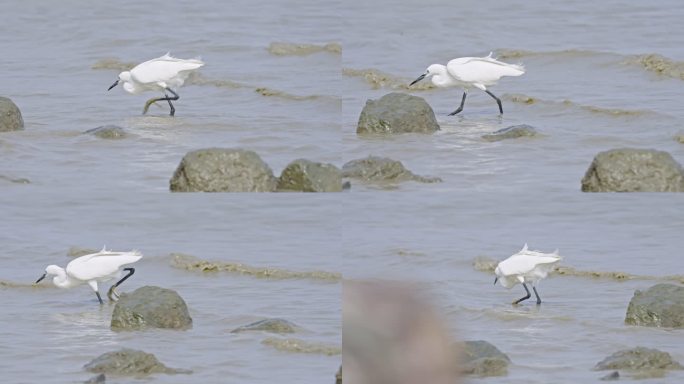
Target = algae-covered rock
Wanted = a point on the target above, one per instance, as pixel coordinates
(150, 307)
(662, 305)
(307, 176)
(268, 325)
(374, 169)
(482, 358)
(633, 170)
(397, 113)
(129, 362)
(642, 359)
(222, 170)
(512, 132)
(107, 132)
(10, 116)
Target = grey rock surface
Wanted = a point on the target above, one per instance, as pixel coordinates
(307, 176)
(633, 170)
(10, 116)
(662, 305)
(150, 307)
(222, 170)
(397, 113)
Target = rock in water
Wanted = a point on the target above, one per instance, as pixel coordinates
(633, 170)
(662, 305)
(129, 362)
(374, 169)
(107, 132)
(481, 358)
(223, 170)
(307, 176)
(512, 132)
(397, 113)
(268, 325)
(639, 359)
(10, 116)
(150, 307)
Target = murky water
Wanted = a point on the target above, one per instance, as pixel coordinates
(590, 85)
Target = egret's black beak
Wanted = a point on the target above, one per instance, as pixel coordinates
(495, 280)
(113, 85)
(421, 77)
(41, 278)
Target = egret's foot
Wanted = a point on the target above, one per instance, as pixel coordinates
(148, 103)
(112, 294)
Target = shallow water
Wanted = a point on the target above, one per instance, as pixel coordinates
(588, 88)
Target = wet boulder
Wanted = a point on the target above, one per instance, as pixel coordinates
(482, 358)
(222, 170)
(150, 307)
(512, 132)
(338, 376)
(268, 325)
(662, 305)
(307, 176)
(633, 170)
(107, 132)
(374, 169)
(99, 379)
(10, 116)
(640, 361)
(129, 362)
(397, 113)
(679, 137)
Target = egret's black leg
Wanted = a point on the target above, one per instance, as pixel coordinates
(98, 297)
(536, 294)
(460, 107)
(111, 291)
(498, 102)
(524, 298)
(165, 98)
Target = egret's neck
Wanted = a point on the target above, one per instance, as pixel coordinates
(62, 280)
(441, 78)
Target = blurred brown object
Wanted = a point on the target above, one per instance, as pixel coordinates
(392, 336)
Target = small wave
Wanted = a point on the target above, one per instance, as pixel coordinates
(113, 64)
(378, 79)
(487, 264)
(290, 49)
(660, 65)
(616, 112)
(301, 346)
(15, 180)
(192, 263)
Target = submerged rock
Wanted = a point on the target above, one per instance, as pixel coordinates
(307, 176)
(382, 170)
(645, 362)
(512, 132)
(99, 379)
(615, 375)
(633, 170)
(268, 325)
(338, 376)
(397, 113)
(78, 251)
(222, 170)
(679, 137)
(10, 116)
(129, 362)
(107, 132)
(662, 305)
(150, 307)
(481, 358)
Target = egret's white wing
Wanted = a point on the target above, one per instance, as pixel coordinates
(100, 264)
(521, 264)
(482, 70)
(162, 69)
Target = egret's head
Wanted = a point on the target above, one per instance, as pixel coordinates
(50, 270)
(124, 76)
(434, 69)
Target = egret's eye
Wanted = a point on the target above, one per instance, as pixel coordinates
(428, 71)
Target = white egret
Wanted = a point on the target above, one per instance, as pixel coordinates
(526, 267)
(163, 74)
(467, 72)
(93, 268)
